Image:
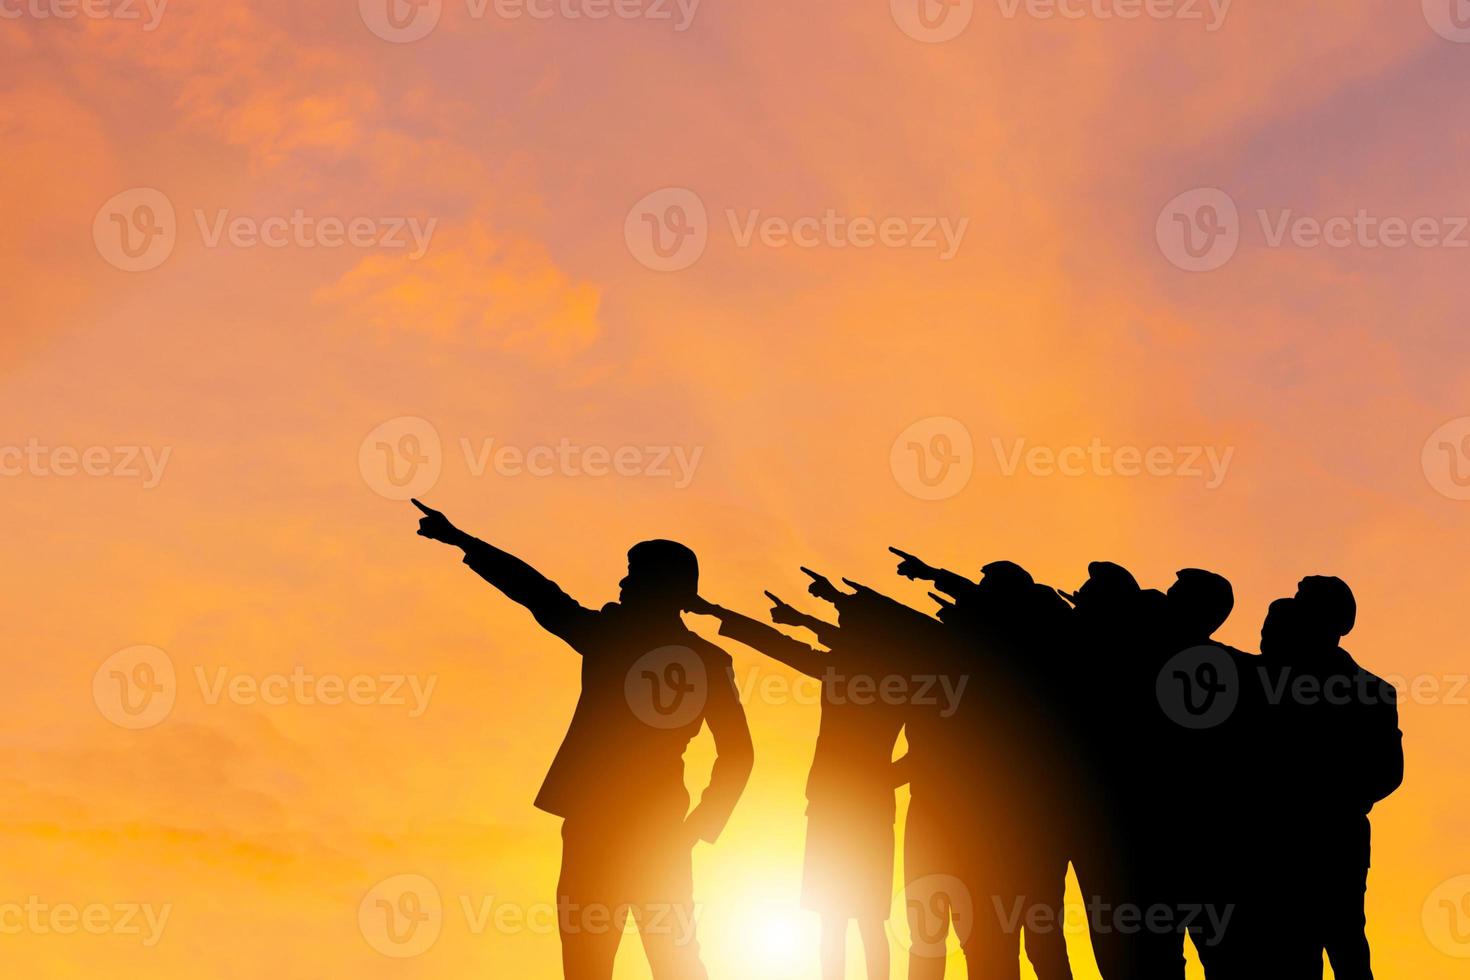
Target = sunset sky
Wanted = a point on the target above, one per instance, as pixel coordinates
(216, 312)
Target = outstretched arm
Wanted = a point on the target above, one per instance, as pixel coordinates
(556, 611)
(787, 615)
(950, 583)
(767, 639)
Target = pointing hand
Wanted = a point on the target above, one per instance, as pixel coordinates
(436, 527)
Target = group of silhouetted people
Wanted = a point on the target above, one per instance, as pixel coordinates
(1192, 787)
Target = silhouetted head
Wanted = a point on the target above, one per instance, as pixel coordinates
(1328, 604)
(1281, 633)
(1108, 584)
(1003, 581)
(663, 577)
(1199, 603)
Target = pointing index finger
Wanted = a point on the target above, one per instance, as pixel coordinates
(419, 504)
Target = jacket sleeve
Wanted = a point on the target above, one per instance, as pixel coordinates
(557, 612)
(734, 754)
(1383, 749)
(773, 643)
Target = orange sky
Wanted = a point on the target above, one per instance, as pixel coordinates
(251, 376)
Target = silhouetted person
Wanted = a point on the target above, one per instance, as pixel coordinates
(1210, 695)
(922, 651)
(1345, 726)
(848, 873)
(1120, 632)
(1014, 778)
(648, 683)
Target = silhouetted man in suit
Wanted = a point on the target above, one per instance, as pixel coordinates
(1015, 764)
(648, 683)
(1121, 631)
(1211, 694)
(923, 650)
(1349, 740)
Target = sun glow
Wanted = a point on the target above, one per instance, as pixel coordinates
(776, 938)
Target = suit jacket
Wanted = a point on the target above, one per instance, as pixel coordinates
(622, 759)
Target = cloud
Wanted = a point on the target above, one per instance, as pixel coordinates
(471, 287)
